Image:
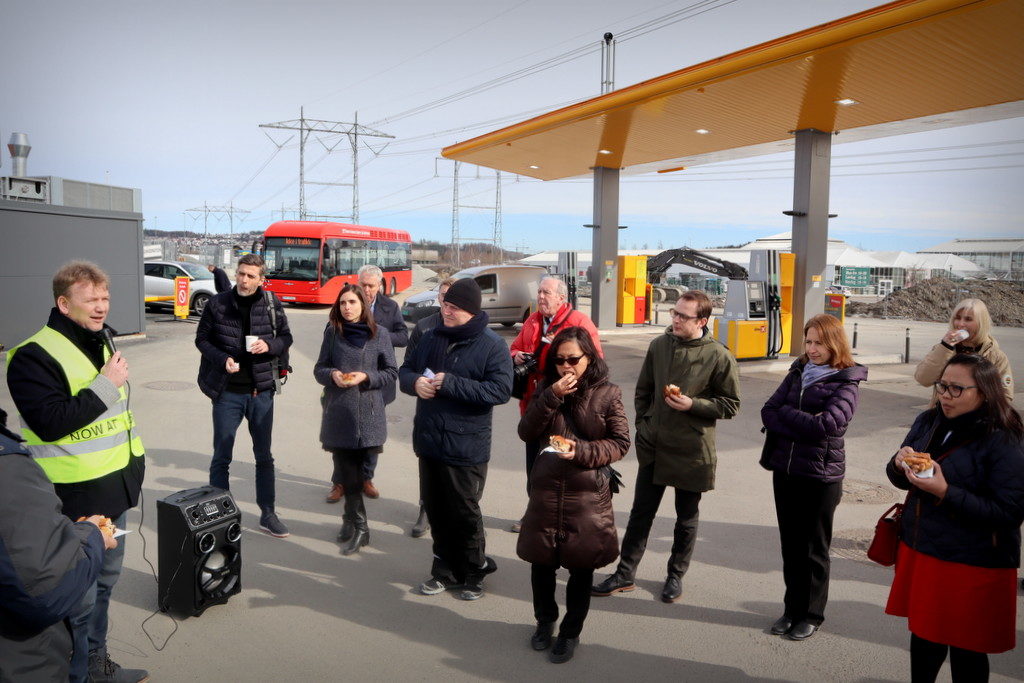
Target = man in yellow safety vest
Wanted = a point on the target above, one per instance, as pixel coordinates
(70, 388)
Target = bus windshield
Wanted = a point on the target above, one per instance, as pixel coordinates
(292, 258)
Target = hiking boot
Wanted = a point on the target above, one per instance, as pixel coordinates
(270, 523)
(103, 669)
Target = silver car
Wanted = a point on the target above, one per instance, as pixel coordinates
(160, 282)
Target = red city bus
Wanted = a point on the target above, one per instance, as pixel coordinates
(309, 261)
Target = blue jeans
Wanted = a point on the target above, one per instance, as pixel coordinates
(258, 410)
(89, 620)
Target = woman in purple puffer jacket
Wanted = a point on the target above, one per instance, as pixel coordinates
(805, 420)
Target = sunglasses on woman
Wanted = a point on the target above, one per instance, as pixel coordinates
(568, 360)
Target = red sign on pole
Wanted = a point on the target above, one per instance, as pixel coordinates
(181, 297)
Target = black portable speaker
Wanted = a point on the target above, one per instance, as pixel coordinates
(199, 543)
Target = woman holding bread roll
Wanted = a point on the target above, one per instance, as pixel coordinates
(956, 569)
(355, 364)
(805, 421)
(970, 331)
(578, 414)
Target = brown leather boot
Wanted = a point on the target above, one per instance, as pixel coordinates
(337, 491)
(369, 490)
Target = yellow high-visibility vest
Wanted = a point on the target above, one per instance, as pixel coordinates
(97, 449)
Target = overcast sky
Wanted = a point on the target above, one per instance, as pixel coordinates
(168, 97)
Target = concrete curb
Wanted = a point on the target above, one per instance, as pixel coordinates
(782, 365)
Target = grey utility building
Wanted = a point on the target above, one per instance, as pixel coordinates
(46, 222)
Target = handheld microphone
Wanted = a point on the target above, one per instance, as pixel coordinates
(108, 339)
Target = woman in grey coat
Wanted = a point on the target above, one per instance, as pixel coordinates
(355, 365)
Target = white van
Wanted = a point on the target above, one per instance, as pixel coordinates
(509, 293)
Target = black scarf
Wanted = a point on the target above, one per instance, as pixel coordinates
(443, 337)
(356, 334)
(961, 429)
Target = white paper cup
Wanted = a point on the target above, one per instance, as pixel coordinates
(961, 335)
(250, 339)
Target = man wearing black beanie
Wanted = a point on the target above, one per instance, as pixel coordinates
(465, 294)
(459, 371)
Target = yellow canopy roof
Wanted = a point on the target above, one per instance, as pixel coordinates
(906, 66)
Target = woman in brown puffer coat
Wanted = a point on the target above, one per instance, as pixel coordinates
(569, 521)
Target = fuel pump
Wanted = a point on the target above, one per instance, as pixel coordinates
(756, 309)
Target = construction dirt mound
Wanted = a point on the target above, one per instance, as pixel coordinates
(934, 299)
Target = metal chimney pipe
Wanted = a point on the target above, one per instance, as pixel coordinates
(19, 149)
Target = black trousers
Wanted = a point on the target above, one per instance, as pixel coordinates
(348, 471)
(577, 598)
(805, 508)
(368, 468)
(451, 497)
(646, 501)
(926, 658)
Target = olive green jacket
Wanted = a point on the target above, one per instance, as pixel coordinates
(681, 444)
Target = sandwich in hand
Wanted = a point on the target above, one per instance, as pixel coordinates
(560, 444)
(348, 377)
(918, 462)
(671, 390)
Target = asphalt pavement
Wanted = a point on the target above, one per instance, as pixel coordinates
(306, 612)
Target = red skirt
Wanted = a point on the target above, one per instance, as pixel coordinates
(973, 608)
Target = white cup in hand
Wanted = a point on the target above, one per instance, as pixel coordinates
(250, 339)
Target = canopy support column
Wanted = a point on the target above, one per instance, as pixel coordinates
(604, 261)
(813, 159)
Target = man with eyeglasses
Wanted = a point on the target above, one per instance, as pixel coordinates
(688, 381)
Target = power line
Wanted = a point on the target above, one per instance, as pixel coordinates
(571, 39)
(428, 206)
(352, 131)
(494, 83)
(558, 60)
(258, 171)
(672, 18)
(422, 52)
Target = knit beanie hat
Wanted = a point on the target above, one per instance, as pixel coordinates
(465, 294)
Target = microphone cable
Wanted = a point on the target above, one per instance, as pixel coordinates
(109, 341)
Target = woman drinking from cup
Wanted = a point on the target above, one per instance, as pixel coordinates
(970, 331)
